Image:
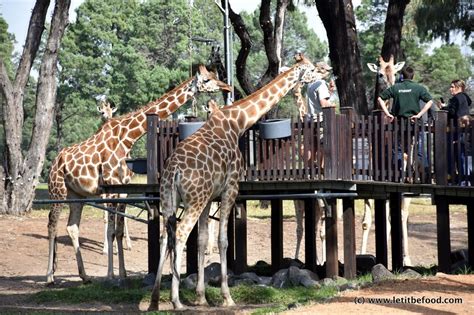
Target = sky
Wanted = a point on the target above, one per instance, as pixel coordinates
(17, 13)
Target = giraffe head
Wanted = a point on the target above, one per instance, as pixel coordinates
(208, 82)
(308, 72)
(106, 109)
(386, 71)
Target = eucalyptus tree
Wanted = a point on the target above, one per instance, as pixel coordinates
(22, 168)
(339, 21)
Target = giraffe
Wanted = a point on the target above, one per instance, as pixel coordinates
(385, 78)
(107, 109)
(206, 165)
(299, 204)
(77, 170)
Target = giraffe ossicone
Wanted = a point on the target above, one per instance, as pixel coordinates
(207, 165)
(78, 169)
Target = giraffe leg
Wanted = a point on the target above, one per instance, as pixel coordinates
(119, 236)
(73, 231)
(299, 211)
(106, 243)
(366, 224)
(52, 233)
(387, 220)
(203, 237)
(128, 240)
(227, 203)
(322, 234)
(317, 231)
(110, 242)
(405, 212)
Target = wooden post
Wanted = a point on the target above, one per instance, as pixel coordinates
(240, 259)
(381, 248)
(440, 148)
(349, 238)
(347, 159)
(443, 233)
(330, 141)
(310, 233)
(277, 234)
(152, 178)
(396, 230)
(470, 234)
(332, 263)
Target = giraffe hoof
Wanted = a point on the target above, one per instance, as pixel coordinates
(86, 280)
(228, 303)
(201, 302)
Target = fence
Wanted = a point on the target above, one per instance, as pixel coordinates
(352, 147)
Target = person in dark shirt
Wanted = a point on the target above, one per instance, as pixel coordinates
(458, 111)
(406, 97)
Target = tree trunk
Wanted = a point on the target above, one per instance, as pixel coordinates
(393, 30)
(245, 45)
(22, 172)
(338, 19)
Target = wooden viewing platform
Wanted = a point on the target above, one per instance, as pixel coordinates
(360, 156)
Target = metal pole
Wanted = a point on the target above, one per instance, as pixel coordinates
(228, 52)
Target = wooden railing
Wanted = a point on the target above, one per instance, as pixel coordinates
(351, 147)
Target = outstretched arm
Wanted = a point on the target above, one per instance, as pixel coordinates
(423, 110)
(385, 109)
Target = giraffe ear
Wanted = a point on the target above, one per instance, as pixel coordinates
(114, 109)
(372, 67)
(98, 109)
(399, 66)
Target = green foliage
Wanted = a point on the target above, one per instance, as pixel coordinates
(444, 65)
(438, 18)
(435, 71)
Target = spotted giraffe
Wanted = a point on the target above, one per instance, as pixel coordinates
(77, 170)
(206, 165)
(385, 78)
(107, 109)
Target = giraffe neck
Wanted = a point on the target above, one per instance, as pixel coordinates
(130, 127)
(300, 101)
(247, 111)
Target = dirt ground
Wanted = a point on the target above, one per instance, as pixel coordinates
(24, 249)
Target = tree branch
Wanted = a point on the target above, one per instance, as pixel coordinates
(245, 44)
(5, 83)
(46, 91)
(269, 42)
(33, 40)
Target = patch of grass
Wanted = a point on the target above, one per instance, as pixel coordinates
(271, 298)
(97, 291)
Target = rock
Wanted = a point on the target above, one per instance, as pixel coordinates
(310, 283)
(149, 279)
(410, 274)
(310, 274)
(212, 274)
(327, 282)
(294, 276)
(251, 276)
(189, 282)
(365, 263)
(240, 281)
(379, 273)
(280, 279)
(348, 286)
